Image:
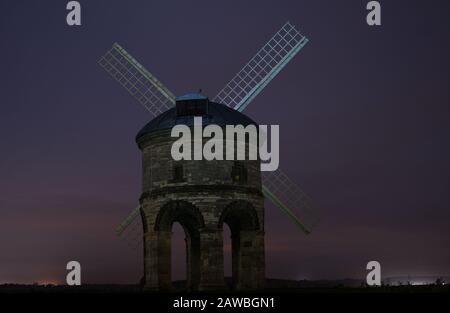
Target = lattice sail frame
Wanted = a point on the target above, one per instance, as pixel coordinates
(288, 196)
(133, 231)
(262, 68)
(139, 82)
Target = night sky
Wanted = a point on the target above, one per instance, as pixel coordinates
(363, 112)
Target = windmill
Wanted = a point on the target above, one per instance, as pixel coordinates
(238, 93)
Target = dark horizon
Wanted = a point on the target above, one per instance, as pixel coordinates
(363, 114)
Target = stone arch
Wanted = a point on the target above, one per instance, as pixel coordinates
(247, 244)
(180, 211)
(191, 219)
(239, 215)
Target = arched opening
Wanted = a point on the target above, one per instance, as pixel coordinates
(178, 256)
(242, 220)
(227, 257)
(173, 216)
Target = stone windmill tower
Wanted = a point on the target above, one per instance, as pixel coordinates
(203, 195)
(200, 195)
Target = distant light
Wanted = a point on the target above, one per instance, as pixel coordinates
(415, 283)
(48, 282)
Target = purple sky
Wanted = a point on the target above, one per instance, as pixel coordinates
(363, 114)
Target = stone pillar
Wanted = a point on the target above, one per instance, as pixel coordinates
(211, 260)
(157, 260)
(250, 260)
(164, 260)
(151, 261)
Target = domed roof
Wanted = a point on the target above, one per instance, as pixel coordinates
(217, 113)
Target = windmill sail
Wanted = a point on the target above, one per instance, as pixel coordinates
(126, 222)
(262, 68)
(139, 82)
(243, 88)
(288, 196)
(131, 228)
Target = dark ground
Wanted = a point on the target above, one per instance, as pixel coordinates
(276, 286)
